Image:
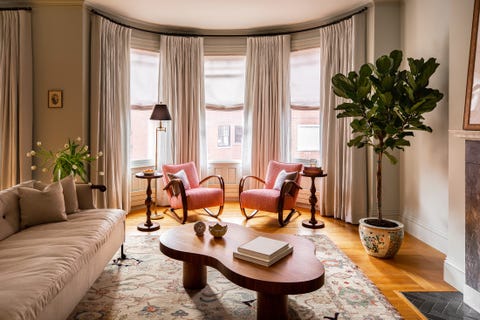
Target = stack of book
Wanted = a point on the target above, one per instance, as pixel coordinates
(263, 251)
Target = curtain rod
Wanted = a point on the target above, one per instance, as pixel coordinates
(186, 34)
(14, 8)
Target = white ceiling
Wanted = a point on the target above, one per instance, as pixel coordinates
(227, 14)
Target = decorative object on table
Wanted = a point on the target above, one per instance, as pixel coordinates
(199, 228)
(72, 159)
(160, 112)
(388, 106)
(149, 172)
(263, 251)
(284, 177)
(312, 173)
(217, 230)
(148, 225)
(55, 98)
(471, 116)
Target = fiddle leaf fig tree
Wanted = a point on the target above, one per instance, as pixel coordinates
(388, 106)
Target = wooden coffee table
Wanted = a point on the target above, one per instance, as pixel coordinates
(299, 272)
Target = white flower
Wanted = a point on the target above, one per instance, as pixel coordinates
(101, 173)
(86, 148)
(66, 145)
(88, 155)
(44, 169)
(79, 139)
(28, 154)
(74, 167)
(57, 155)
(33, 168)
(32, 153)
(39, 143)
(100, 153)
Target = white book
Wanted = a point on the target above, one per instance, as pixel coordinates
(263, 247)
(263, 262)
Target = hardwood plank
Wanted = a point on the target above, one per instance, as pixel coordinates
(416, 267)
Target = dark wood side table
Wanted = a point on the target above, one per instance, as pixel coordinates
(148, 225)
(313, 223)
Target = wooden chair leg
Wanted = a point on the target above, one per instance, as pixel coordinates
(246, 215)
(284, 222)
(183, 219)
(215, 215)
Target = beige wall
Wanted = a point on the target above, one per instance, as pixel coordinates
(60, 60)
(424, 166)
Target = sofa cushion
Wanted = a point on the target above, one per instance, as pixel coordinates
(10, 211)
(37, 207)
(69, 193)
(38, 262)
(85, 196)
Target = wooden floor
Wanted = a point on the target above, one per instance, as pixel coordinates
(416, 267)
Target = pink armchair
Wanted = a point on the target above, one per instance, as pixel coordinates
(184, 190)
(279, 193)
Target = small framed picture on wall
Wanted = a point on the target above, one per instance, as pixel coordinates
(55, 98)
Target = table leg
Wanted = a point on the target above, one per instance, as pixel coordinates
(148, 225)
(194, 276)
(312, 223)
(272, 306)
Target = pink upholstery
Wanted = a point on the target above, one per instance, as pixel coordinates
(264, 200)
(190, 171)
(199, 198)
(274, 168)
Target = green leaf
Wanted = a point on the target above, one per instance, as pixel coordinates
(390, 157)
(383, 64)
(396, 56)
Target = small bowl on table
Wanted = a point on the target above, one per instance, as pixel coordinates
(312, 170)
(218, 231)
(148, 172)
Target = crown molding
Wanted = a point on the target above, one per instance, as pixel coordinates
(188, 31)
(40, 3)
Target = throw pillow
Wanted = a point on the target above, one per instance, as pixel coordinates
(282, 176)
(183, 177)
(37, 207)
(69, 193)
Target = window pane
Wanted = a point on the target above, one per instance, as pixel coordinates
(144, 68)
(224, 88)
(305, 78)
(305, 92)
(224, 81)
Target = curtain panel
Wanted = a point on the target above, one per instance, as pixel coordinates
(182, 90)
(110, 110)
(16, 96)
(344, 192)
(267, 103)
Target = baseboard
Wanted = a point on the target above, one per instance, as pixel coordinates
(431, 236)
(453, 275)
(472, 298)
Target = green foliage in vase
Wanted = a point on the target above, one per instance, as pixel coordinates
(72, 159)
(387, 104)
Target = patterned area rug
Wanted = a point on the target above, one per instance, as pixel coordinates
(148, 285)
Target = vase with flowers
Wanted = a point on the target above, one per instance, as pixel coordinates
(72, 159)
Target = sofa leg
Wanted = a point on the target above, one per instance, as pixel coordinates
(122, 253)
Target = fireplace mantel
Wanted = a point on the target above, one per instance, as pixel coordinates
(466, 134)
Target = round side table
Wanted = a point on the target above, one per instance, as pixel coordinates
(313, 223)
(148, 225)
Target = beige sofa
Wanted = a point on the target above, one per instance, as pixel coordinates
(46, 267)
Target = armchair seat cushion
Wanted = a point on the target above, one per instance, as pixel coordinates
(199, 198)
(264, 200)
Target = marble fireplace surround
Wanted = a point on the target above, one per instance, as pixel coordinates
(472, 214)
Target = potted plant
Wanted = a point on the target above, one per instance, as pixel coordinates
(387, 105)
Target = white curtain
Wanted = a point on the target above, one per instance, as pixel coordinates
(267, 103)
(16, 106)
(182, 90)
(110, 110)
(344, 193)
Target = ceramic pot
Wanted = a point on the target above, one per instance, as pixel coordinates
(381, 242)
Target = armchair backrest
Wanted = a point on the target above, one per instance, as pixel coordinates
(274, 168)
(189, 168)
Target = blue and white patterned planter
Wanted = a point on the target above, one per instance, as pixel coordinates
(381, 242)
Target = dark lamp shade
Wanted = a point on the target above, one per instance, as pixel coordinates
(160, 112)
